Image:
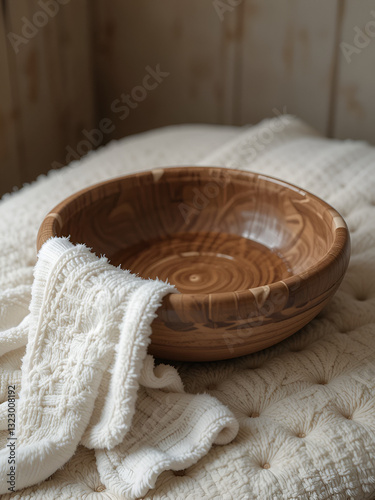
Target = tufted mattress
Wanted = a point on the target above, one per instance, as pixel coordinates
(306, 406)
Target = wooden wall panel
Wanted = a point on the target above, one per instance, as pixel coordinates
(187, 39)
(288, 52)
(228, 62)
(76, 66)
(355, 102)
(34, 85)
(51, 81)
(9, 162)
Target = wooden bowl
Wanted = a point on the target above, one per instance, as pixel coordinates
(254, 258)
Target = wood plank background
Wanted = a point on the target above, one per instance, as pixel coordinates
(224, 62)
(48, 88)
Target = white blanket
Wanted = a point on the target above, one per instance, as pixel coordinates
(306, 407)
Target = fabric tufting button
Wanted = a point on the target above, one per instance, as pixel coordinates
(100, 488)
(301, 435)
(254, 415)
(266, 466)
(211, 387)
(179, 472)
(361, 297)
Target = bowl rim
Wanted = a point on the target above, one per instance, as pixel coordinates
(340, 243)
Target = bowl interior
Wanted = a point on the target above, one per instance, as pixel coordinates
(206, 230)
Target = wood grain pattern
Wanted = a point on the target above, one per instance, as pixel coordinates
(288, 49)
(187, 40)
(229, 69)
(10, 174)
(34, 90)
(254, 258)
(355, 106)
(283, 54)
(50, 77)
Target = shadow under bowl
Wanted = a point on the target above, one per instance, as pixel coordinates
(254, 258)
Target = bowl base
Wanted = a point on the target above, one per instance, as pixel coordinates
(205, 262)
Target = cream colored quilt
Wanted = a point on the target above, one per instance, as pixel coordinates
(306, 407)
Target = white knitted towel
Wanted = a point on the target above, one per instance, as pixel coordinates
(87, 335)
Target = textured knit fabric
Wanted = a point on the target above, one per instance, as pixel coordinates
(305, 407)
(86, 342)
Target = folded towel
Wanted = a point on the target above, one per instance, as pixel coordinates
(86, 378)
